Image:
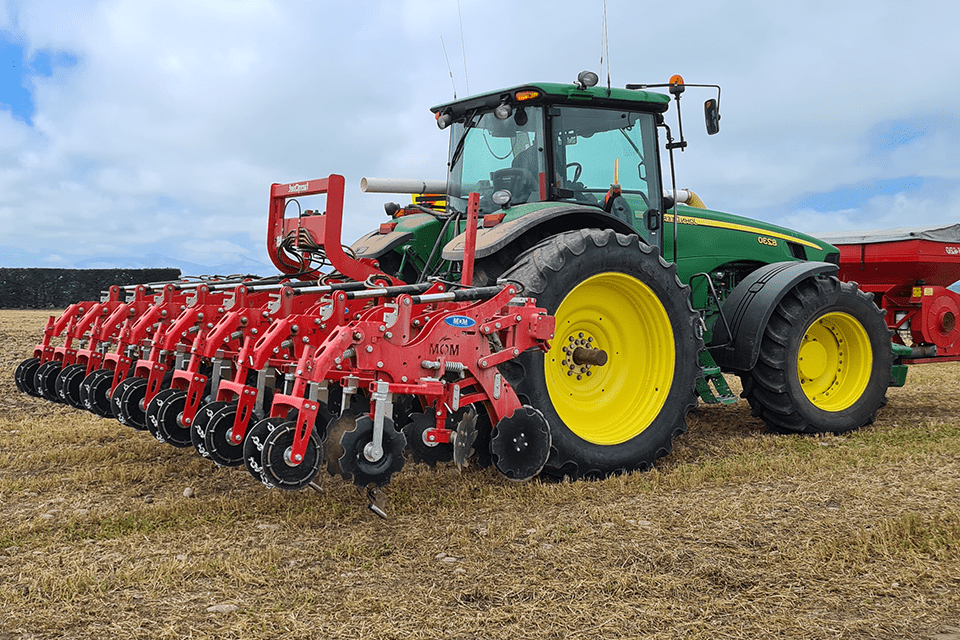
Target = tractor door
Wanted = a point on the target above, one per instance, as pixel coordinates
(596, 148)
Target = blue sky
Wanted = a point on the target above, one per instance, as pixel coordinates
(147, 132)
(18, 68)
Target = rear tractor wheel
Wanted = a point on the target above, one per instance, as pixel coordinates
(621, 373)
(825, 360)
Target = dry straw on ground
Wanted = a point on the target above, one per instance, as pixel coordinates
(738, 534)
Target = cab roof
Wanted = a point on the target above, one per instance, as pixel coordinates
(553, 93)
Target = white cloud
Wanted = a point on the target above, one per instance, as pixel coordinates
(166, 135)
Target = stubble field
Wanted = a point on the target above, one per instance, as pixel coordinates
(737, 534)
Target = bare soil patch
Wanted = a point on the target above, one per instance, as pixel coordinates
(737, 534)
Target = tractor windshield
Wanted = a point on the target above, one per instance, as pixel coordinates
(594, 148)
(494, 155)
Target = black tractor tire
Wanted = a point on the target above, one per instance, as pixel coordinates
(611, 292)
(825, 360)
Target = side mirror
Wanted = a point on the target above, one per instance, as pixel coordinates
(711, 113)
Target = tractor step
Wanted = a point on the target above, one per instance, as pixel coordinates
(711, 376)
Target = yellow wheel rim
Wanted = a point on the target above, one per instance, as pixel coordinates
(834, 361)
(612, 403)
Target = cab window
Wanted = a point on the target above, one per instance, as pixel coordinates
(594, 148)
(497, 154)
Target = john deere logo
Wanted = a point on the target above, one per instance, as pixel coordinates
(460, 322)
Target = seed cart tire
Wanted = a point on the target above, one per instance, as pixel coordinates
(611, 292)
(825, 360)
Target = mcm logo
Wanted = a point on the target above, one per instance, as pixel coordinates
(445, 346)
(462, 322)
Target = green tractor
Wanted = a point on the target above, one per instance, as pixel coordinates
(654, 295)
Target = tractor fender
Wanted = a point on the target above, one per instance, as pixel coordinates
(560, 218)
(749, 307)
(375, 244)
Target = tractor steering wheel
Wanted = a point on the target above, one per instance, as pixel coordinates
(577, 171)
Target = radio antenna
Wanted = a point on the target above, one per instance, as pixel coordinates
(449, 70)
(605, 46)
(463, 48)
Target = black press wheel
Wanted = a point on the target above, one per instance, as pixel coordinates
(152, 411)
(253, 447)
(25, 374)
(168, 426)
(127, 403)
(95, 392)
(45, 380)
(621, 373)
(355, 463)
(200, 422)
(68, 384)
(279, 468)
(825, 360)
(219, 440)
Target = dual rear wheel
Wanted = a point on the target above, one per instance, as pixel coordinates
(825, 360)
(824, 365)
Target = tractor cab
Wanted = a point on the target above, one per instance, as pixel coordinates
(577, 144)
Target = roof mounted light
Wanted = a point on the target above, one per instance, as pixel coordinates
(587, 79)
(503, 111)
(676, 84)
(444, 120)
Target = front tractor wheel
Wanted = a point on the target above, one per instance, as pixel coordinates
(620, 376)
(825, 360)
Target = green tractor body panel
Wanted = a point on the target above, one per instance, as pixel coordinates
(707, 240)
(727, 247)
